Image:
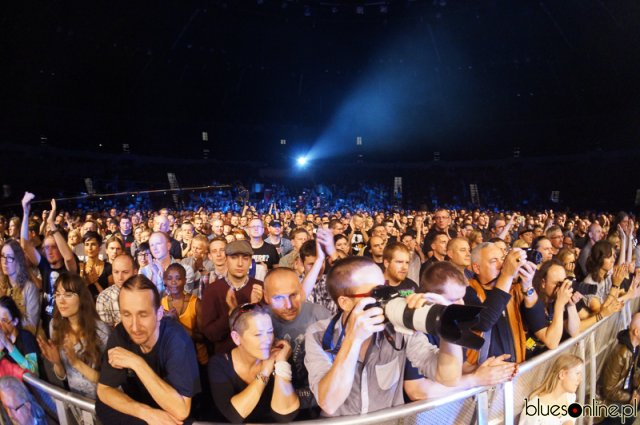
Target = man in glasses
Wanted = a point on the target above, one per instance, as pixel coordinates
(263, 252)
(19, 403)
(58, 257)
(355, 362)
(151, 358)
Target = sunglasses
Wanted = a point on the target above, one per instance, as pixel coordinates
(241, 310)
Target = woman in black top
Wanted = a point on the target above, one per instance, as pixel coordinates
(243, 387)
(95, 271)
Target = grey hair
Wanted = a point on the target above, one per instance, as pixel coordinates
(9, 384)
(475, 252)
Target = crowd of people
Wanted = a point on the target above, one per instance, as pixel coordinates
(173, 315)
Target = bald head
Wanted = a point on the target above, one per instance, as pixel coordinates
(283, 292)
(123, 268)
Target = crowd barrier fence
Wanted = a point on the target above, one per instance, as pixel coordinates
(501, 404)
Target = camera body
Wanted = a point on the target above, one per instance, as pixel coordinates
(449, 322)
(534, 256)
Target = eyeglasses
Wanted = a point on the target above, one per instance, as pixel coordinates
(66, 296)
(241, 310)
(255, 227)
(18, 407)
(9, 259)
(144, 254)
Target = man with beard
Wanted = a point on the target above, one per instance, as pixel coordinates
(396, 258)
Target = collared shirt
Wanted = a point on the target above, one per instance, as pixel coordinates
(108, 307)
(377, 382)
(320, 295)
(194, 287)
(156, 276)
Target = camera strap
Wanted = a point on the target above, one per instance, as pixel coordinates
(327, 338)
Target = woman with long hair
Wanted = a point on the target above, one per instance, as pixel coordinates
(602, 273)
(16, 344)
(95, 271)
(342, 244)
(558, 388)
(17, 282)
(245, 390)
(78, 337)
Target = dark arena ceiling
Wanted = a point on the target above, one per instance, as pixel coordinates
(469, 79)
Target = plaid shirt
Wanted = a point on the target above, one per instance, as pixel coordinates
(108, 307)
(320, 295)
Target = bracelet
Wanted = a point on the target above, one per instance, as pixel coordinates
(283, 370)
(263, 378)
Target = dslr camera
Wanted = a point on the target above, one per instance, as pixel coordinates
(449, 322)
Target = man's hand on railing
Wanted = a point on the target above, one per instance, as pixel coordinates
(495, 370)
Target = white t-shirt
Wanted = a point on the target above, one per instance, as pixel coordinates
(542, 408)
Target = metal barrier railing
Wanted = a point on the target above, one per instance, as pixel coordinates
(483, 405)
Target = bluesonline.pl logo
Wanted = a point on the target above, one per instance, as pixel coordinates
(594, 409)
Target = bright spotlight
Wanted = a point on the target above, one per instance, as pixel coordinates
(302, 161)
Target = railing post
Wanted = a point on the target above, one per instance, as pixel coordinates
(593, 370)
(63, 415)
(482, 408)
(583, 384)
(507, 393)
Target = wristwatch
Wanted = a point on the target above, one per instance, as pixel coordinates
(528, 292)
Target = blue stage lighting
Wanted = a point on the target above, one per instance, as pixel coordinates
(302, 161)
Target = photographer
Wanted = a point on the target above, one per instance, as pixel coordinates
(503, 286)
(559, 300)
(446, 279)
(355, 362)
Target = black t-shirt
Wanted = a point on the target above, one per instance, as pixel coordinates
(406, 287)
(49, 277)
(226, 383)
(267, 254)
(173, 359)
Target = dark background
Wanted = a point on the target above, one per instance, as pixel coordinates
(472, 80)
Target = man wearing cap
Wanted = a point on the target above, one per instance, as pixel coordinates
(525, 236)
(283, 245)
(234, 289)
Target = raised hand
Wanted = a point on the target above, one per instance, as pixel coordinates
(282, 350)
(364, 323)
(49, 351)
(26, 200)
(564, 295)
(256, 294)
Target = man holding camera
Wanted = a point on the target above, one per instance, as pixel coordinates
(355, 361)
(503, 285)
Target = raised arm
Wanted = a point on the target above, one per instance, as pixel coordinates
(552, 334)
(69, 260)
(310, 279)
(30, 251)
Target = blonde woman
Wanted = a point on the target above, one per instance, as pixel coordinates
(557, 389)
